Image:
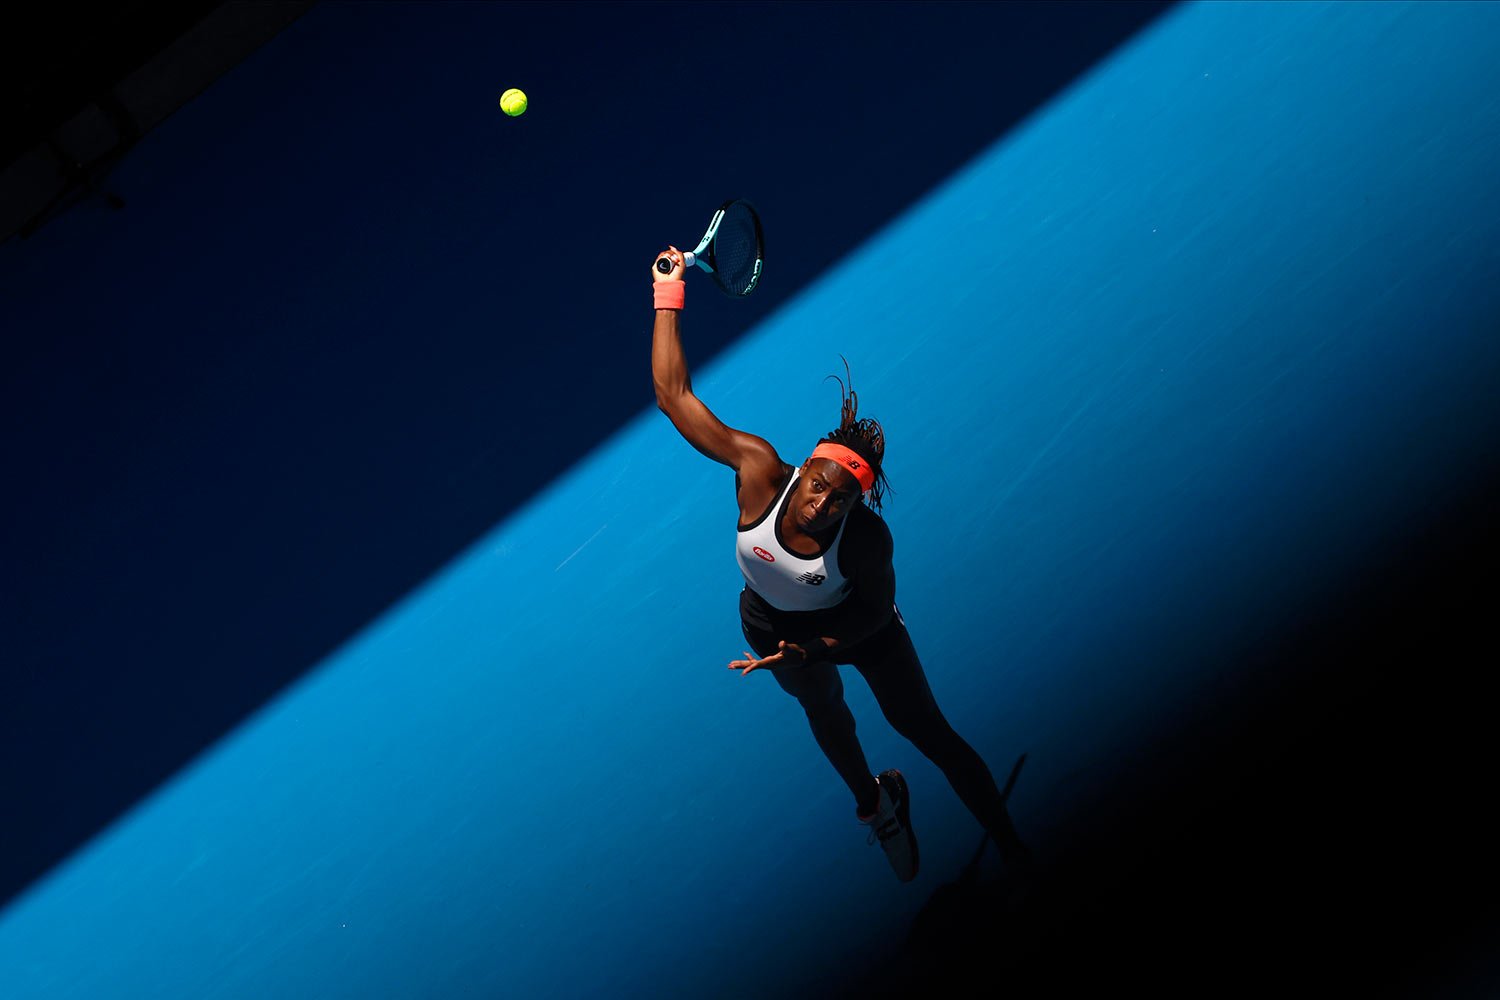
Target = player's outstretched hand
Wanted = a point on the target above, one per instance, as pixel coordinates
(789, 655)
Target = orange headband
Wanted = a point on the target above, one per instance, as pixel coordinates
(849, 460)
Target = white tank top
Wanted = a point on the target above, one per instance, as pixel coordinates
(788, 581)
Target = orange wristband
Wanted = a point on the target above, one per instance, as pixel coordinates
(669, 294)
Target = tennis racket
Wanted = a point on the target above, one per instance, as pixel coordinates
(732, 250)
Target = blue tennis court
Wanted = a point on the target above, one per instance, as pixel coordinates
(1167, 370)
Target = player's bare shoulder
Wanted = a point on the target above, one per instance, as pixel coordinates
(761, 476)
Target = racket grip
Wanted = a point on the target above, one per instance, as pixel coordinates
(665, 266)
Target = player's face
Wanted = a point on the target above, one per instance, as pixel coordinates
(826, 492)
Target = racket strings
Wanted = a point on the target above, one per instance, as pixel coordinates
(736, 252)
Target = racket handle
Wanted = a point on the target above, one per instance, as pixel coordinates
(665, 266)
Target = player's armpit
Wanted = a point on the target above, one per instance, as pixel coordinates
(745, 453)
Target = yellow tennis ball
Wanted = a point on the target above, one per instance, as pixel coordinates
(513, 102)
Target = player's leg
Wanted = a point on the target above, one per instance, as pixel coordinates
(820, 691)
(880, 803)
(889, 663)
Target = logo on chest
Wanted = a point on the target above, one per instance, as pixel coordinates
(811, 578)
(764, 554)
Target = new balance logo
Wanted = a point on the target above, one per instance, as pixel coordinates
(812, 578)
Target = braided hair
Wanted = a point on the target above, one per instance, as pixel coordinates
(861, 435)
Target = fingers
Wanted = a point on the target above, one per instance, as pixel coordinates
(674, 259)
(750, 663)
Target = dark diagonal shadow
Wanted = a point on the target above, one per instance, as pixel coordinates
(1322, 827)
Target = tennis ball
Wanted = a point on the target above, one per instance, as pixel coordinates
(513, 102)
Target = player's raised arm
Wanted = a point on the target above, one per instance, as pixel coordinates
(674, 388)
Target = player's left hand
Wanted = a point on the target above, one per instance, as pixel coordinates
(789, 655)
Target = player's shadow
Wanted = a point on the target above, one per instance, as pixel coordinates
(981, 918)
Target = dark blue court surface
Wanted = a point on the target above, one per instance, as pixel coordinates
(333, 457)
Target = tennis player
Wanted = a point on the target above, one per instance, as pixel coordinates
(820, 591)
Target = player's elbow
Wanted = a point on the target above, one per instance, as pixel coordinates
(669, 398)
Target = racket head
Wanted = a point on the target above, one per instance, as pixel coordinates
(734, 248)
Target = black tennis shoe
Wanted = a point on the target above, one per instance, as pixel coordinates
(891, 825)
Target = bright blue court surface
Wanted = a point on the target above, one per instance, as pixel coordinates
(1165, 361)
